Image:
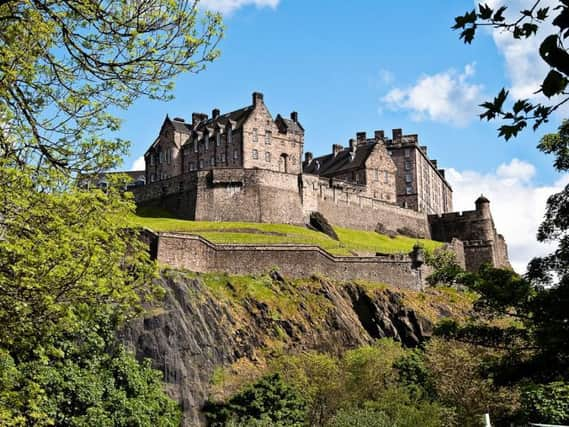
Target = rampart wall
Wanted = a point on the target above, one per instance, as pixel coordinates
(295, 261)
(255, 195)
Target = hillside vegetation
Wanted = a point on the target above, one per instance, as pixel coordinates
(352, 242)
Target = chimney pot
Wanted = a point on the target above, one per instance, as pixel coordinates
(257, 98)
(352, 145)
(379, 135)
(361, 137)
(215, 113)
(294, 116)
(198, 117)
(336, 148)
(397, 134)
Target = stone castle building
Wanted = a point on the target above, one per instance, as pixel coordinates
(246, 165)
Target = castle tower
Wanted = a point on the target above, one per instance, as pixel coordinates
(483, 206)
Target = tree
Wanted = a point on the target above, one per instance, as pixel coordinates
(90, 380)
(552, 50)
(268, 400)
(65, 64)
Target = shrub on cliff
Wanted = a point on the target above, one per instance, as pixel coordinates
(269, 401)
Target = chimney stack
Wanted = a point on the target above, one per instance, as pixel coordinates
(308, 157)
(379, 135)
(198, 117)
(352, 145)
(424, 148)
(336, 148)
(397, 134)
(294, 116)
(361, 137)
(215, 113)
(257, 98)
(434, 162)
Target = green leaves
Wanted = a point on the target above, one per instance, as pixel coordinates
(65, 64)
(551, 51)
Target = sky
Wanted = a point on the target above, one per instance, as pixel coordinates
(363, 65)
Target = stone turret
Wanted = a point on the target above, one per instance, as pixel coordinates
(483, 206)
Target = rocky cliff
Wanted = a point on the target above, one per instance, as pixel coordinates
(206, 322)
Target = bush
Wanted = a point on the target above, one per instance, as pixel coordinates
(269, 401)
(548, 403)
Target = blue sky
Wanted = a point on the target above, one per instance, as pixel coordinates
(365, 65)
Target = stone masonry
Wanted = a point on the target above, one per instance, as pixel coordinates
(246, 166)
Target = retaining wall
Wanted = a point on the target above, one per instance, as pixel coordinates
(295, 261)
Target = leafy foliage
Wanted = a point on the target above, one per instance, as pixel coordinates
(62, 252)
(547, 403)
(65, 64)
(552, 50)
(267, 400)
(87, 379)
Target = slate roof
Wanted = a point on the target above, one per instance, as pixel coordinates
(289, 125)
(181, 127)
(238, 117)
(331, 165)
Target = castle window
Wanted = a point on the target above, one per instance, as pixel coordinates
(151, 160)
(201, 164)
(212, 161)
(192, 166)
(235, 155)
(218, 139)
(376, 175)
(196, 146)
(268, 137)
(229, 136)
(223, 157)
(267, 157)
(169, 156)
(255, 154)
(385, 177)
(408, 178)
(407, 152)
(255, 135)
(407, 165)
(409, 189)
(152, 178)
(206, 141)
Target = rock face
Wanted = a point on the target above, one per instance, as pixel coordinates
(196, 329)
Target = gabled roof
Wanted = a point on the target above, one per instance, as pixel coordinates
(181, 127)
(331, 165)
(288, 125)
(237, 117)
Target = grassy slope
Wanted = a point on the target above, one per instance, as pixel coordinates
(351, 241)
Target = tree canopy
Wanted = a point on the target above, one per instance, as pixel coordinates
(65, 65)
(552, 50)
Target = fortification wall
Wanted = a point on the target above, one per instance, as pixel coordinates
(255, 195)
(346, 206)
(197, 254)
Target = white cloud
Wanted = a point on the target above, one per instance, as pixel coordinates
(517, 205)
(447, 97)
(138, 164)
(229, 6)
(524, 67)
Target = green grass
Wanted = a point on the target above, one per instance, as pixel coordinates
(351, 241)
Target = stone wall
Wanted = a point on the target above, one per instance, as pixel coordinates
(255, 195)
(343, 205)
(295, 261)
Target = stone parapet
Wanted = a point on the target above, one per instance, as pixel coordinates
(197, 254)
